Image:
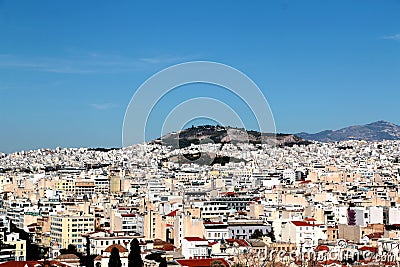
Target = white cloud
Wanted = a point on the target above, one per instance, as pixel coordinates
(103, 106)
(91, 63)
(395, 37)
(160, 60)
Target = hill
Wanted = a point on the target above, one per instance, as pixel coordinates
(376, 131)
(223, 135)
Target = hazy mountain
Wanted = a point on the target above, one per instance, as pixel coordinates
(219, 134)
(376, 131)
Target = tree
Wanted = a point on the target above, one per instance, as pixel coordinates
(271, 234)
(135, 256)
(115, 260)
(157, 258)
(256, 234)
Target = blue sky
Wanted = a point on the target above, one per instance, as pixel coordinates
(69, 68)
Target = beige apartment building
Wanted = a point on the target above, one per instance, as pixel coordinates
(67, 228)
(66, 184)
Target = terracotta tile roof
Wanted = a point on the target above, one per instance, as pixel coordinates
(210, 244)
(375, 235)
(322, 248)
(67, 257)
(118, 246)
(240, 242)
(310, 219)
(128, 215)
(372, 249)
(201, 262)
(98, 258)
(168, 247)
(173, 213)
(301, 223)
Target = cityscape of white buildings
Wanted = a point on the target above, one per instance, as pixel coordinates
(306, 200)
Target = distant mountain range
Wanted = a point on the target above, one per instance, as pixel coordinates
(376, 131)
(220, 134)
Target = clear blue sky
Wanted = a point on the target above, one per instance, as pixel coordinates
(69, 68)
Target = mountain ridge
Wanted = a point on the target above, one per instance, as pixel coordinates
(374, 131)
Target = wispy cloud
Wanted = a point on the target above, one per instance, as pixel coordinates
(103, 106)
(166, 60)
(395, 37)
(92, 63)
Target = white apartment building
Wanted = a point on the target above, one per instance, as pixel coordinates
(304, 234)
(216, 231)
(194, 247)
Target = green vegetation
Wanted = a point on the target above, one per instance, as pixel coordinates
(134, 257)
(115, 260)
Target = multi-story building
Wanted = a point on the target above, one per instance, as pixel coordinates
(101, 184)
(67, 228)
(84, 187)
(194, 247)
(304, 234)
(20, 246)
(66, 184)
(216, 231)
(244, 229)
(100, 241)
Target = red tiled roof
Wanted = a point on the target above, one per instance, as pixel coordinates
(310, 219)
(67, 257)
(173, 213)
(301, 223)
(118, 246)
(201, 262)
(212, 244)
(375, 235)
(194, 238)
(168, 247)
(98, 258)
(321, 248)
(128, 215)
(372, 249)
(240, 242)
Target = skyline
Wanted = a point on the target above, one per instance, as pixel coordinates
(66, 80)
